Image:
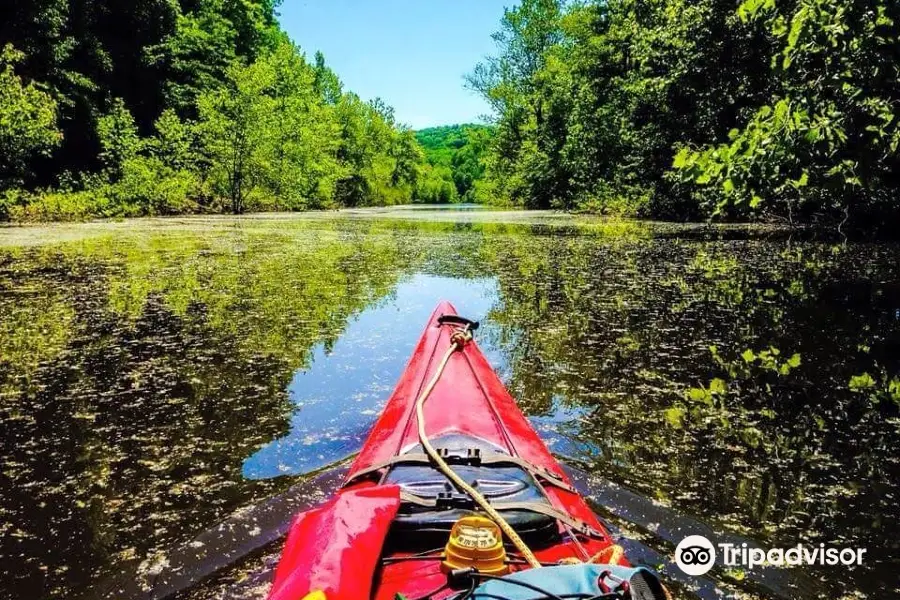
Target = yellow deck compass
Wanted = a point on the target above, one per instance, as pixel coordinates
(475, 542)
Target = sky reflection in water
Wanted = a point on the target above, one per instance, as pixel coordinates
(342, 393)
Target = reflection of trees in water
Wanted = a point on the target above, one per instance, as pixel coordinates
(169, 364)
(137, 434)
(624, 330)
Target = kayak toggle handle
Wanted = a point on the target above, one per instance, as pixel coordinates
(458, 320)
(472, 457)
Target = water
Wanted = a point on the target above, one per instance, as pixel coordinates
(158, 375)
(360, 370)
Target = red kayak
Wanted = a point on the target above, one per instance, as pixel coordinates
(400, 528)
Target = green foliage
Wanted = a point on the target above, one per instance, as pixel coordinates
(685, 109)
(150, 187)
(119, 139)
(674, 416)
(59, 205)
(78, 52)
(27, 123)
(821, 142)
(455, 153)
(196, 55)
(380, 161)
(436, 186)
(760, 374)
(325, 81)
(769, 359)
(234, 122)
(886, 387)
(206, 40)
(205, 105)
(592, 121)
(274, 141)
(176, 143)
(861, 382)
(671, 108)
(522, 166)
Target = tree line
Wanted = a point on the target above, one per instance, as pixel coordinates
(687, 109)
(169, 106)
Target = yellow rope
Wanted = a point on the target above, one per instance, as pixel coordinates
(457, 341)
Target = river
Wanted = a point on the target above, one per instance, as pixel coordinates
(157, 375)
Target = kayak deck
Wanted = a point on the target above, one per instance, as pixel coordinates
(470, 404)
(477, 428)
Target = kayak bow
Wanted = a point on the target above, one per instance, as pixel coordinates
(450, 463)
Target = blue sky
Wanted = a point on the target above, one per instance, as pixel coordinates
(411, 53)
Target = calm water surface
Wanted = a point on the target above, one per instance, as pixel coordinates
(158, 375)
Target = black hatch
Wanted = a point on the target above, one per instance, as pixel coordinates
(421, 527)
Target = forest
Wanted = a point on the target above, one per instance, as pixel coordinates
(686, 110)
(203, 106)
(666, 109)
(455, 155)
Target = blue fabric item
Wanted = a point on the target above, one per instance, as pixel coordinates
(559, 580)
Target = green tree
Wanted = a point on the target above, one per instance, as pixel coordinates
(27, 122)
(510, 82)
(236, 128)
(78, 52)
(119, 139)
(368, 154)
(595, 122)
(303, 167)
(195, 57)
(408, 158)
(435, 186)
(176, 142)
(326, 82)
(201, 101)
(526, 33)
(827, 138)
(677, 109)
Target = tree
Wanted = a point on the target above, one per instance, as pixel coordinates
(827, 139)
(303, 166)
(688, 109)
(77, 51)
(235, 124)
(510, 82)
(27, 122)
(326, 82)
(195, 57)
(526, 33)
(408, 157)
(593, 119)
(176, 143)
(456, 152)
(435, 186)
(200, 101)
(375, 161)
(119, 138)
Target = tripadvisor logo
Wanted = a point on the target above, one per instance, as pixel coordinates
(696, 555)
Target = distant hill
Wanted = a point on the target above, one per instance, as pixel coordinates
(441, 142)
(455, 155)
